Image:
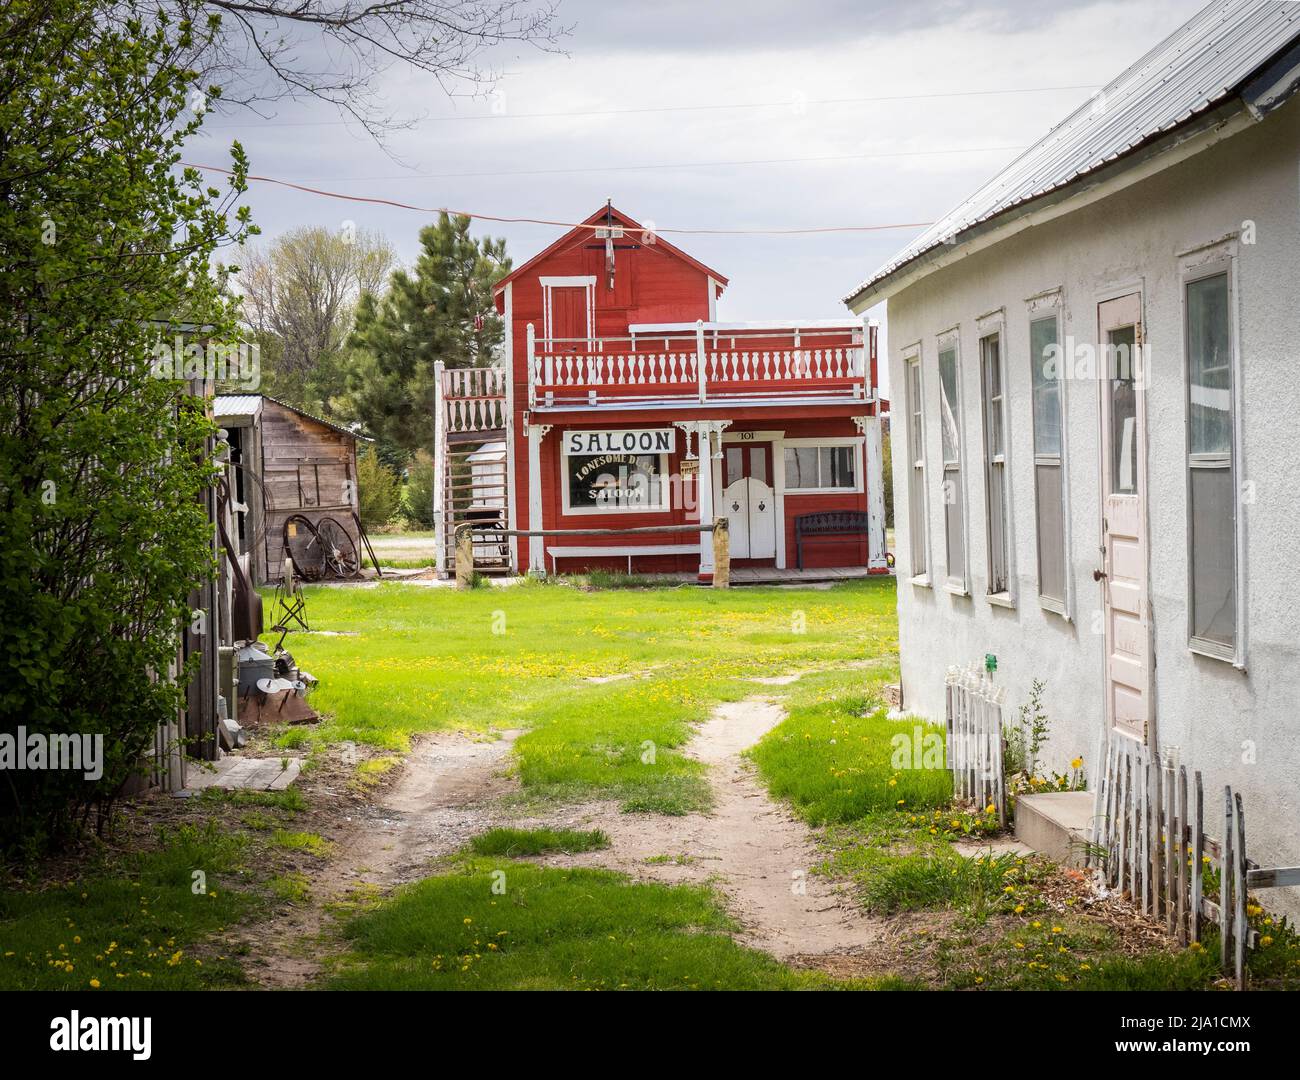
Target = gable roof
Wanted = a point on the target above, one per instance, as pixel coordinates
(585, 230)
(241, 405)
(1201, 65)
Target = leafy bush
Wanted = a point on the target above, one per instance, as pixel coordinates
(417, 500)
(105, 460)
(378, 490)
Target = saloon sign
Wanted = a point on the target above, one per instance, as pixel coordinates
(630, 441)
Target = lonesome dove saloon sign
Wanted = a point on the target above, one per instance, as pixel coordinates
(628, 441)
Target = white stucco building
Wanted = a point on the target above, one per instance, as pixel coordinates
(1095, 363)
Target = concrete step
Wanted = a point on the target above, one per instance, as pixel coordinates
(1056, 824)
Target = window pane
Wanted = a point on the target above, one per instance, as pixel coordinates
(991, 360)
(1209, 371)
(801, 466)
(1047, 387)
(914, 393)
(916, 520)
(998, 569)
(758, 464)
(836, 466)
(949, 416)
(956, 548)
(1123, 412)
(735, 459)
(994, 477)
(1051, 533)
(1214, 594)
(614, 481)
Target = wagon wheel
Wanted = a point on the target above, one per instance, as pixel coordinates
(303, 545)
(338, 549)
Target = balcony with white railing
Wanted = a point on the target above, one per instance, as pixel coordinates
(702, 364)
(471, 400)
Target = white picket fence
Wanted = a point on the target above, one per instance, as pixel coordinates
(1148, 834)
(975, 746)
(1149, 838)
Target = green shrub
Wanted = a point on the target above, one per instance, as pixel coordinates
(417, 499)
(378, 489)
(105, 459)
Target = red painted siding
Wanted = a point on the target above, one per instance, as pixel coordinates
(653, 284)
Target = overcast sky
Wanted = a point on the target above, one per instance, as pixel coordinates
(667, 144)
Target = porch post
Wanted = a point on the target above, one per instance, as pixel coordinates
(874, 479)
(699, 361)
(536, 546)
(704, 441)
(442, 537)
(532, 383)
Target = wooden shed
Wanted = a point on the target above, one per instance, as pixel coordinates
(289, 462)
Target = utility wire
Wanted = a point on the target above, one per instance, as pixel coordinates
(631, 110)
(780, 231)
(587, 169)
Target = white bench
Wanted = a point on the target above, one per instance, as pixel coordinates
(597, 552)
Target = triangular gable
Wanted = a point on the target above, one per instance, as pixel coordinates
(584, 231)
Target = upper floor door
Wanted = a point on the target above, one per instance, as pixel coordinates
(568, 317)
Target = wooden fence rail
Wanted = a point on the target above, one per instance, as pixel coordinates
(720, 530)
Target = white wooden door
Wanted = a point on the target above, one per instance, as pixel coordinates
(1126, 608)
(749, 502)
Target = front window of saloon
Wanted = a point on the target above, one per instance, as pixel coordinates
(1049, 490)
(950, 425)
(613, 483)
(821, 468)
(1212, 532)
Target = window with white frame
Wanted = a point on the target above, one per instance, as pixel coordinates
(951, 485)
(995, 463)
(613, 483)
(917, 523)
(1211, 486)
(1049, 486)
(821, 467)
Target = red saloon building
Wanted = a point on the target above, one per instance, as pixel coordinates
(624, 403)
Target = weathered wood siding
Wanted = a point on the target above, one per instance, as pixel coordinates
(308, 468)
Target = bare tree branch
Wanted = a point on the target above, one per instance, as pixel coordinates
(337, 50)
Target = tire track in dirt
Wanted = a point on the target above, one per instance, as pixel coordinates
(751, 848)
(445, 793)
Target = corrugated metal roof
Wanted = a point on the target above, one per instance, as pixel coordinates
(236, 405)
(1197, 67)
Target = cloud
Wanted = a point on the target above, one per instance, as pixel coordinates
(793, 68)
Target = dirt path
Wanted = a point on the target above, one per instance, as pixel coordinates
(444, 794)
(749, 847)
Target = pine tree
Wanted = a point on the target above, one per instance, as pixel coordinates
(441, 310)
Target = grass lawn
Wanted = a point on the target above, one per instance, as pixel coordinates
(833, 755)
(129, 927)
(990, 921)
(502, 924)
(606, 684)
